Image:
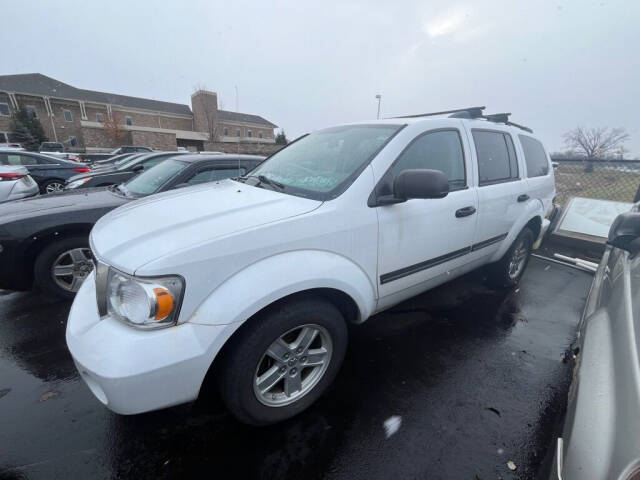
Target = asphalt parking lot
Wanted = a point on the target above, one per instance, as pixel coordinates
(454, 383)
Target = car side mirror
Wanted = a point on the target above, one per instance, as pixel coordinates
(625, 232)
(420, 183)
(137, 168)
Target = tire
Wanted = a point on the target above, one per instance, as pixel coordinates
(501, 273)
(246, 360)
(58, 253)
(51, 186)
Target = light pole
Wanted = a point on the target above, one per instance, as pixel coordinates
(379, 97)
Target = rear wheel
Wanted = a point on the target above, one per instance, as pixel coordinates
(62, 266)
(507, 271)
(51, 186)
(283, 361)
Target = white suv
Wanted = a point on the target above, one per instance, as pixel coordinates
(250, 283)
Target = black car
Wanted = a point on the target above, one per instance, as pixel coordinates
(130, 149)
(118, 173)
(46, 239)
(50, 173)
(112, 160)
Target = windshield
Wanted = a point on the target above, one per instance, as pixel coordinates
(324, 163)
(151, 180)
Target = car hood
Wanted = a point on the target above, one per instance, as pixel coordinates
(163, 224)
(67, 200)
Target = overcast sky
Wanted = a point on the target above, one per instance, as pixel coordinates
(306, 65)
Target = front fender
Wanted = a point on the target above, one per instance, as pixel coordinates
(533, 208)
(270, 279)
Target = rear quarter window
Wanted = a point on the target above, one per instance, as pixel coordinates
(534, 156)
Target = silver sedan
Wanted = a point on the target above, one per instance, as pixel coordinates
(601, 436)
(15, 183)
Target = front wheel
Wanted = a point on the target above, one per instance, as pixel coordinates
(63, 265)
(51, 186)
(283, 361)
(507, 271)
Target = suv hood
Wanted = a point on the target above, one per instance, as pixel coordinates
(141, 231)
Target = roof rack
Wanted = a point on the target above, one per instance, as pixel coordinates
(469, 112)
(473, 113)
(504, 118)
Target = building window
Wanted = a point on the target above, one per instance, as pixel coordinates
(4, 109)
(99, 118)
(249, 133)
(128, 120)
(259, 134)
(67, 115)
(73, 141)
(31, 111)
(226, 132)
(238, 133)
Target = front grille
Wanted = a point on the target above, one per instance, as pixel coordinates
(102, 276)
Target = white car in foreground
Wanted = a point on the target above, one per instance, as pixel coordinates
(15, 183)
(254, 280)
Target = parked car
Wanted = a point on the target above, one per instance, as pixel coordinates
(113, 175)
(50, 173)
(51, 147)
(11, 145)
(601, 437)
(45, 239)
(251, 283)
(15, 183)
(130, 149)
(108, 162)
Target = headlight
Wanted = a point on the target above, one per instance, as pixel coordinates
(77, 183)
(144, 302)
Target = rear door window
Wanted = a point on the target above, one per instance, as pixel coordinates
(534, 156)
(496, 155)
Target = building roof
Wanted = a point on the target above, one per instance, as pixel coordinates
(38, 84)
(244, 118)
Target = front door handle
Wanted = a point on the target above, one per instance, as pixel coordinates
(465, 212)
(523, 198)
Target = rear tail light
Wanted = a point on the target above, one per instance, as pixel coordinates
(10, 176)
(81, 170)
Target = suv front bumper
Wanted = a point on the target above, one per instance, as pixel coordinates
(133, 371)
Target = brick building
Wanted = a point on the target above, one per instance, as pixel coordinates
(90, 121)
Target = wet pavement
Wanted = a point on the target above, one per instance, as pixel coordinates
(451, 384)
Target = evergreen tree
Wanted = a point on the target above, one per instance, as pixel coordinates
(281, 138)
(32, 125)
(20, 133)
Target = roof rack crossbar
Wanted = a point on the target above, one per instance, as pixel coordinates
(521, 127)
(472, 112)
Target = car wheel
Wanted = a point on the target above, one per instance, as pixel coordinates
(507, 271)
(63, 265)
(51, 186)
(282, 361)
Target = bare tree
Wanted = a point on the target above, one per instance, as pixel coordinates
(599, 142)
(113, 128)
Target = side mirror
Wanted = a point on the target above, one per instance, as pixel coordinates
(625, 232)
(420, 183)
(138, 168)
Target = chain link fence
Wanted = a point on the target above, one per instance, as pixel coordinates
(603, 179)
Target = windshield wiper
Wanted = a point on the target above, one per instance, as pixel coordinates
(266, 180)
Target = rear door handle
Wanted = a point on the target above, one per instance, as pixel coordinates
(523, 198)
(465, 212)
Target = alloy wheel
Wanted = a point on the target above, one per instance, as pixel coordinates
(518, 259)
(54, 187)
(71, 268)
(292, 365)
